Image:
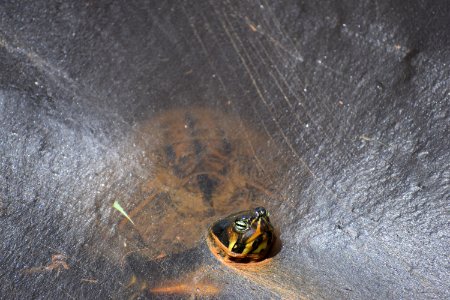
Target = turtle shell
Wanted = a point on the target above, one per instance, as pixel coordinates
(199, 164)
(243, 236)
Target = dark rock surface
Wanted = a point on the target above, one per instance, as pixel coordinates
(357, 93)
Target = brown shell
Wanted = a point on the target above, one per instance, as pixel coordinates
(200, 164)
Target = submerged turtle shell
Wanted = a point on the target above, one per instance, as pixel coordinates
(200, 164)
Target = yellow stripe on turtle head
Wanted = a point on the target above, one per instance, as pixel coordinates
(261, 247)
(256, 233)
(252, 238)
(232, 241)
(248, 247)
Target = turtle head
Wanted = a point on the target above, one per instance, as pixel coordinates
(246, 235)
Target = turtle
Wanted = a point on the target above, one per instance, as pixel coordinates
(202, 165)
(243, 236)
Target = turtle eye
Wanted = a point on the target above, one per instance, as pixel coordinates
(240, 225)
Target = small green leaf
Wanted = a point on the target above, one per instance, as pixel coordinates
(117, 206)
